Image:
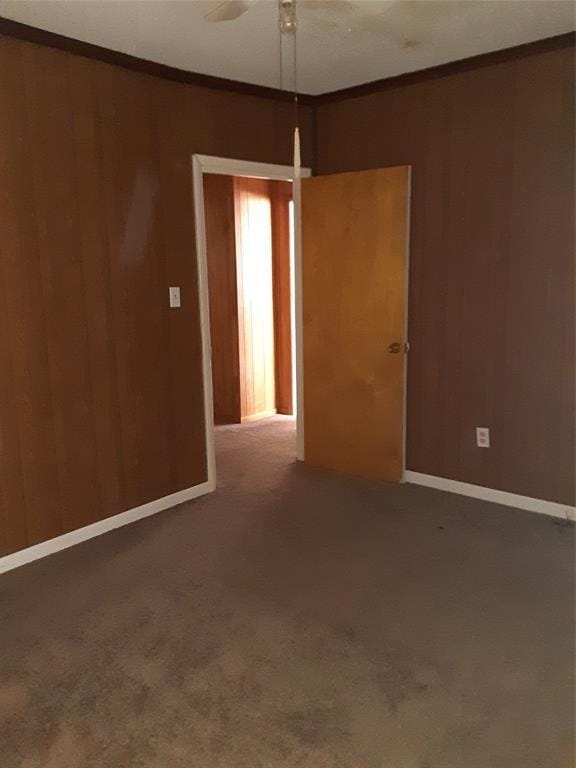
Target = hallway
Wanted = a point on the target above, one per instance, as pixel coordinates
(295, 618)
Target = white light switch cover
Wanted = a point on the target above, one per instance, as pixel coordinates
(483, 437)
(174, 296)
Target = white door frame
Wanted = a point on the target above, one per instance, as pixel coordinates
(202, 164)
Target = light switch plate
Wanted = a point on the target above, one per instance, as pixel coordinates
(174, 296)
(483, 437)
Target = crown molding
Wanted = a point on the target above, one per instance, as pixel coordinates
(25, 32)
(451, 68)
(30, 34)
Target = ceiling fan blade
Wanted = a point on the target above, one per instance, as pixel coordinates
(227, 10)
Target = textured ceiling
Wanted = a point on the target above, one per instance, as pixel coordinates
(340, 42)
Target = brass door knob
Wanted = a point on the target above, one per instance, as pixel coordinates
(396, 348)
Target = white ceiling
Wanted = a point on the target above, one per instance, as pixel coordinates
(340, 42)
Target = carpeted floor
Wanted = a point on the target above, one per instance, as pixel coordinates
(295, 619)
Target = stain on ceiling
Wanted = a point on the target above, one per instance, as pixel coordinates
(340, 43)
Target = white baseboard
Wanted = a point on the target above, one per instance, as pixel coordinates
(491, 494)
(45, 548)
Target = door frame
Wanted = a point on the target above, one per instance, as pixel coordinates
(406, 325)
(225, 166)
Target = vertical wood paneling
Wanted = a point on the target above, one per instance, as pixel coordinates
(101, 400)
(221, 258)
(49, 120)
(24, 302)
(13, 534)
(428, 321)
(280, 198)
(139, 298)
(183, 372)
(255, 300)
(12, 508)
(539, 394)
(230, 284)
(491, 309)
(93, 246)
(246, 362)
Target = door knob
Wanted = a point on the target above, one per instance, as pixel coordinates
(395, 348)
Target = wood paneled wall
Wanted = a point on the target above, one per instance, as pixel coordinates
(491, 308)
(255, 298)
(221, 261)
(281, 197)
(101, 404)
(248, 255)
(100, 385)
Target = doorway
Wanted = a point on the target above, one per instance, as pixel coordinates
(351, 331)
(250, 260)
(204, 165)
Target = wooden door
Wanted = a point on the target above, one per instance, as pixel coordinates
(354, 275)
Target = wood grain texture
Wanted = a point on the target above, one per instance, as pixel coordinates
(227, 279)
(491, 307)
(40, 510)
(472, 63)
(101, 398)
(93, 251)
(16, 29)
(280, 198)
(13, 533)
(354, 270)
(253, 222)
(20, 31)
(49, 122)
(222, 285)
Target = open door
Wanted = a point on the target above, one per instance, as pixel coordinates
(355, 229)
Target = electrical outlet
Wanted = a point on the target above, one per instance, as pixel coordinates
(483, 437)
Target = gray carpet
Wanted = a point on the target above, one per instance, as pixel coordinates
(295, 618)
